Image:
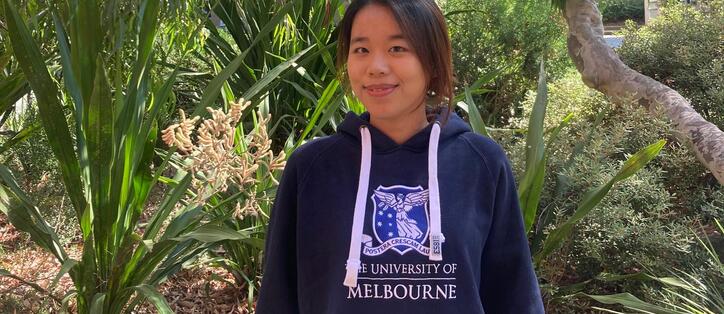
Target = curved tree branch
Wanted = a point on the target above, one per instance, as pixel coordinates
(602, 70)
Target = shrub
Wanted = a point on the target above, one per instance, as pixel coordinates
(620, 10)
(642, 224)
(682, 48)
(509, 36)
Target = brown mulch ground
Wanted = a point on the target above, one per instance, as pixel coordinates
(202, 290)
(28, 262)
(198, 290)
(9, 236)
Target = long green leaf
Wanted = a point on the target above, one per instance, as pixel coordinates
(171, 199)
(594, 196)
(214, 233)
(156, 298)
(306, 93)
(181, 256)
(212, 90)
(98, 130)
(25, 216)
(12, 88)
(64, 269)
(265, 81)
(321, 107)
(65, 301)
(331, 111)
(630, 301)
(23, 135)
(96, 305)
(532, 183)
(49, 106)
(86, 34)
(5, 273)
(133, 109)
(131, 115)
(476, 87)
(69, 77)
(85, 277)
(160, 98)
(476, 119)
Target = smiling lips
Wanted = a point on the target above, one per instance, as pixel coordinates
(380, 90)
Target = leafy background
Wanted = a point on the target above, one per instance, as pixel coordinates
(621, 215)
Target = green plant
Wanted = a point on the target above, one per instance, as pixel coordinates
(13, 84)
(594, 196)
(682, 48)
(683, 292)
(106, 155)
(40, 176)
(532, 180)
(642, 223)
(508, 38)
(619, 10)
(288, 72)
(238, 179)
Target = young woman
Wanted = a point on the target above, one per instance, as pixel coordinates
(400, 211)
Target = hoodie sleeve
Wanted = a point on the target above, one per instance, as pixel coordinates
(508, 283)
(278, 293)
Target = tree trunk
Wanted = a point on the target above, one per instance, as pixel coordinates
(602, 70)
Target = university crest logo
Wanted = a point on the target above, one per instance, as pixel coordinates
(400, 221)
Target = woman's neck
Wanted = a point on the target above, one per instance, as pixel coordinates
(402, 129)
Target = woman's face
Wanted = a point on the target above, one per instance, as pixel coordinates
(384, 72)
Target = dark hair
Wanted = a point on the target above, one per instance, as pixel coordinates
(423, 23)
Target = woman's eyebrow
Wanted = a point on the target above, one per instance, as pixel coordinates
(365, 39)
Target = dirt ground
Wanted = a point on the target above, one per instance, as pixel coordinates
(196, 290)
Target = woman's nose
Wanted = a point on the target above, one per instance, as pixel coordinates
(378, 66)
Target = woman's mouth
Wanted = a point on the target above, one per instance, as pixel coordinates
(380, 90)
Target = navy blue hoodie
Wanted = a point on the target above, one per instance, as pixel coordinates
(364, 225)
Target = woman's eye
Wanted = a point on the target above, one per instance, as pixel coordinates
(359, 50)
(398, 49)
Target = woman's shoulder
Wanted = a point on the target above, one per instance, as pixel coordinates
(485, 147)
(491, 154)
(307, 153)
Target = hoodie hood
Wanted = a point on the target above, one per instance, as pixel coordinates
(381, 143)
(370, 139)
